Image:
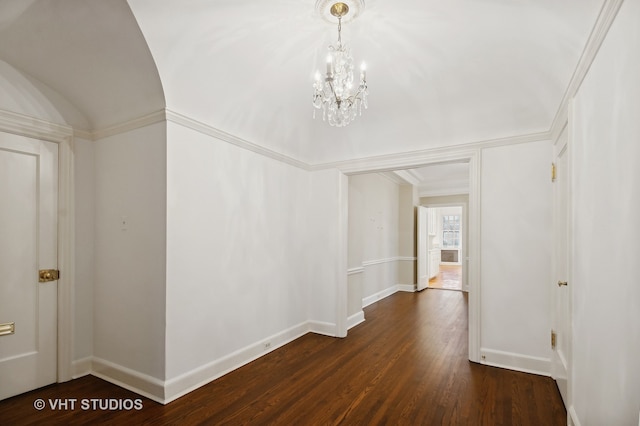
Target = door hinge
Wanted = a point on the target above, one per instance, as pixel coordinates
(46, 275)
(553, 172)
(553, 339)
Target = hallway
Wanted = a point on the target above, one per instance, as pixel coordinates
(405, 365)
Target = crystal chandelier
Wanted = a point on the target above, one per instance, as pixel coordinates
(336, 95)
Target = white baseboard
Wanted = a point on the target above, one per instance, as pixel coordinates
(166, 391)
(135, 381)
(191, 380)
(324, 328)
(379, 296)
(81, 367)
(518, 362)
(572, 417)
(411, 288)
(355, 319)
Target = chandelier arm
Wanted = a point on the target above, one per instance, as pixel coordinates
(355, 96)
(333, 91)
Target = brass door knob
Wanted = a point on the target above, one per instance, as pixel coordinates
(46, 275)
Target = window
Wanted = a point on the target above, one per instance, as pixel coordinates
(451, 231)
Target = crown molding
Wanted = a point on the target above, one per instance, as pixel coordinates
(393, 178)
(401, 177)
(41, 129)
(408, 176)
(412, 159)
(443, 192)
(24, 125)
(83, 134)
(127, 126)
(208, 130)
(600, 30)
(190, 123)
(116, 129)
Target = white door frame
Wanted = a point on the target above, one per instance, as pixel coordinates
(560, 147)
(424, 158)
(422, 248)
(464, 254)
(62, 135)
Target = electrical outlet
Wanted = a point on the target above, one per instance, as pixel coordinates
(267, 345)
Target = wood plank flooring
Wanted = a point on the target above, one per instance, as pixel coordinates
(449, 278)
(405, 365)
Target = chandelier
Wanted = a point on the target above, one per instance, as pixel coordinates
(336, 95)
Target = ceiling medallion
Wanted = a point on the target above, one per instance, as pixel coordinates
(336, 95)
(323, 9)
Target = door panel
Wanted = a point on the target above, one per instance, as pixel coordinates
(561, 294)
(423, 248)
(28, 242)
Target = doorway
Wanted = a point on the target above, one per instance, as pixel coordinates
(408, 171)
(17, 133)
(447, 247)
(447, 252)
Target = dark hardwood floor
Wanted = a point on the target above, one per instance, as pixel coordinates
(405, 365)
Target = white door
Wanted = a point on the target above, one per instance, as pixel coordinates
(28, 243)
(561, 287)
(423, 248)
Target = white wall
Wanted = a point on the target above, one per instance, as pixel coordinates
(605, 150)
(84, 183)
(129, 292)
(235, 271)
(515, 256)
(355, 250)
(251, 249)
(378, 229)
(326, 262)
(408, 200)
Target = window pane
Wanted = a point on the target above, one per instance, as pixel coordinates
(451, 231)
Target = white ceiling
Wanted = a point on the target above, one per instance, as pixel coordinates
(90, 51)
(440, 72)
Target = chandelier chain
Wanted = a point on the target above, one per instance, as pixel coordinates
(339, 98)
